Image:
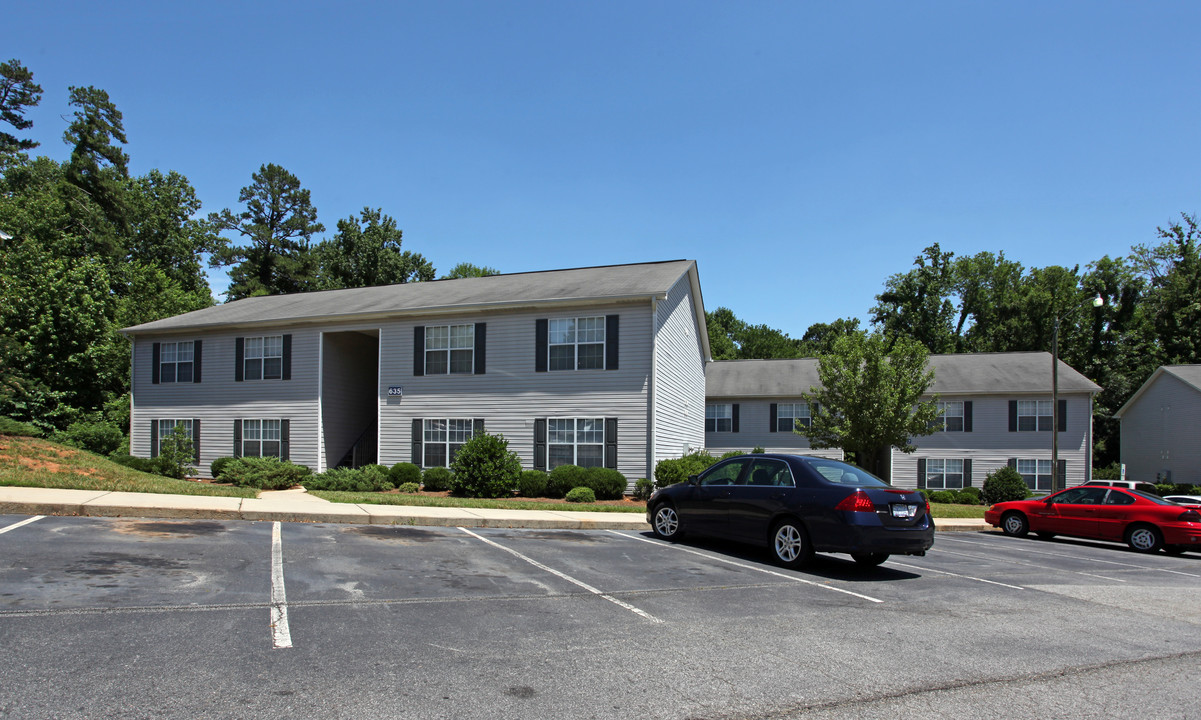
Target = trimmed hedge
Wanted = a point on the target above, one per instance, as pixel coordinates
(344, 479)
(410, 488)
(436, 479)
(1003, 484)
(379, 476)
(581, 495)
(264, 473)
(532, 484)
(218, 465)
(643, 489)
(404, 472)
(99, 437)
(484, 467)
(670, 472)
(564, 478)
(946, 497)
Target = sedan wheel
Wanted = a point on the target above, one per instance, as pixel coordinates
(1015, 525)
(790, 544)
(869, 559)
(1144, 538)
(667, 522)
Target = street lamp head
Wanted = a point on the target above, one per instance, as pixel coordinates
(1098, 301)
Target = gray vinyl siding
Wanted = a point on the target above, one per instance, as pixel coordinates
(348, 402)
(511, 394)
(754, 430)
(679, 402)
(1160, 432)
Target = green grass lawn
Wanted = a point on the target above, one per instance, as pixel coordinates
(32, 462)
(947, 510)
(368, 498)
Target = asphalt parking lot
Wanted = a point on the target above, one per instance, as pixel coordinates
(139, 618)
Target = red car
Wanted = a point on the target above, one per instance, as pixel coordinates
(1145, 522)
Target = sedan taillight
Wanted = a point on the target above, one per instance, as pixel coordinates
(1189, 516)
(858, 502)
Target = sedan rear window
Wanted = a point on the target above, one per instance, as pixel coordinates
(844, 474)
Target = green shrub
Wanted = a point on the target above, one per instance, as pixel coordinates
(942, 496)
(436, 479)
(758, 450)
(1162, 489)
(340, 479)
(8, 426)
(404, 472)
(532, 483)
(564, 478)
(670, 472)
(266, 473)
(378, 476)
(581, 495)
(1003, 484)
(218, 465)
(925, 494)
(175, 454)
(409, 488)
(606, 483)
(968, 496)
(485, 467)
(145, 465)
(99, 437)
(1113, 472)
(643, 489)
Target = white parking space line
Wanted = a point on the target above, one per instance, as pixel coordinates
(944, 572)
(281, 636)
(1075, 557)
(568, 578)
(1027, 564)
(747, 566)
(26, 521)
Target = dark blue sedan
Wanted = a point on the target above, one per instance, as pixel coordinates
(796, 505)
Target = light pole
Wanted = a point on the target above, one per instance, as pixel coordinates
(1055, 479)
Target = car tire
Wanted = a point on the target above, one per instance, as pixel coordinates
(1045, 535)
(1144, 538)
(665, 522)
(1014, 524)
(869, 559)
(790, 546)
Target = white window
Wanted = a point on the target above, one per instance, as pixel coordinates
(944, 474)
(575, 441)
(175, 362)
(1034, 415)
(1036, 473)
(261, 438)
(788, 415)
(950, 416)
(577, 344)
(166, 427)
(449, 349)
(719, 418)
(441, 440)
(264, 357)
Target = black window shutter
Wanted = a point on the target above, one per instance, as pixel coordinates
(1063, 416)
(611, 336)
(287, 360)
(154, 358)
(772, 420)
(196, 440)
(1013, 463)
(481, 347)
(967, 473)
(239, 358)
(238, 433)
(734, 421)
(477, 427)
(415, 443)
(541, 345)
(967, 416)
(1062, 474)
(921, 473)
(285, 434)
(419, 350)
(611, 443)
(196, 361)
(1013, 416)
(540, 443)
(154, 438)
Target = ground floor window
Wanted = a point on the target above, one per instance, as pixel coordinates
(261, 438)
(575, 441)
(1036, 473)
(944, 474)
(442, 440)
(165, 428)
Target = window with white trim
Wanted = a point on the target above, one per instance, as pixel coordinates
(263, 358)
(944, 474)
(175, 362)
(449, 349)
(577, 343)
(950, 416)
(261, 438)
(788, 415)
(1034, 415)
(166, 427)
(441, 440)
(1036, 473)
(719, 418)
(575, 441)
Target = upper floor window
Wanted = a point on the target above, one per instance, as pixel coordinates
(719, 418)
(575, 441)
(788, 415)
(950, 416)
(1033, 415)
(175, 362)
(577, 343)
(449, 349)
(264, 358)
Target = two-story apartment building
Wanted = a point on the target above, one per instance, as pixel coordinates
(996, 411)
(588, 366)
(1160, 439)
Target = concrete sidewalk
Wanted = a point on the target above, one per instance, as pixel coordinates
(299, 506)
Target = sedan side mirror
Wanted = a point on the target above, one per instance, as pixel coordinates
(692, 479)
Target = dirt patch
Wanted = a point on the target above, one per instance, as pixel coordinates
(405, 535)
(168, 529)
(53, 467)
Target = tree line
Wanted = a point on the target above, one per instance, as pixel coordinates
(86, 249)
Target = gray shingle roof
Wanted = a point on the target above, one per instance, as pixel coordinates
(963, 374)
(607, 283)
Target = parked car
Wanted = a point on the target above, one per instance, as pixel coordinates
(796, 506)
(1184, 499)
(1143, 521)
(1128, 484)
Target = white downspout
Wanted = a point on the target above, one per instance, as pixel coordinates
(650, 391)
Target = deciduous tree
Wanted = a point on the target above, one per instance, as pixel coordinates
(365, 252)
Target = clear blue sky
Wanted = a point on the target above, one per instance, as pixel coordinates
(801, 152)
